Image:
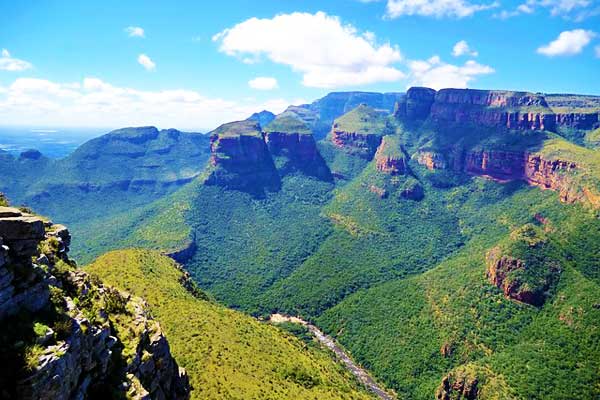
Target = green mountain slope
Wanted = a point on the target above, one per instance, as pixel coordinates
(226, 354)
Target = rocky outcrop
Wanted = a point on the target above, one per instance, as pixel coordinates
(240, 158)
(535, 169)
(359, 131)
(431, 160)
(75, 349)
(389, 157)
(293, 146)
(416, 105)
(496, 164)
(554, 175)
(458, 386)
(363, 145)
(581, 121)
(493, 108)
(499, 268)
(524, 266)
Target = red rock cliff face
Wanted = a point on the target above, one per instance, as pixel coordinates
(492, 108)
(389, 160)
(551, 174)
(431, 160)
(496, 164)
(532, 168)
(363, 145)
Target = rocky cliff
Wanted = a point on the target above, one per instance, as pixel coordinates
(72, 337)
(240, 158)
(245, 158)
(493, 108)
(359, 131)
(500, 108)
(416, 105)
(293, 147)
(389, 157)
(524, 266)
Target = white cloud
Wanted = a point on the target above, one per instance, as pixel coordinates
(8, 63)
(263, 83)
(462, 48)
(436, 74)
(435, 8)
(569, 9)
(146, 62)
(135, 31)
(568, 43)
(327, 53)
(597, 51)
(93, 102)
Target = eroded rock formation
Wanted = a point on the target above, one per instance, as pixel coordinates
(63, 343)
(240, 158)
(458, 386)
(389, 157)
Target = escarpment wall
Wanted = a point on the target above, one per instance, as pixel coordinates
(74, 351)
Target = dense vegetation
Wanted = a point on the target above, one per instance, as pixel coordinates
(226, 353)
(393, 265)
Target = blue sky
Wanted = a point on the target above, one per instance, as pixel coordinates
(195, 64)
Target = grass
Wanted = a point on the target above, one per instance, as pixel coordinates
(288, 124)
(226, 354)
(238, 128)
(363, 120)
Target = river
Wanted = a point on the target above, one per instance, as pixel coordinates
(362, 375)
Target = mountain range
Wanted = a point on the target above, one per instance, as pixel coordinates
(448, 240)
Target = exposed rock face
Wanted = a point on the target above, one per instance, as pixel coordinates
(389, 158)
(301, 152)
(524, 266)
(498, 269)
(582, 121)
(382, 193)
(457, 386)
(80, 354)
(240, 158)
(496, 164)
(363, 145)
(512, 110)
(431, 160)
(550, 174)
(553, 174)
(416, 105)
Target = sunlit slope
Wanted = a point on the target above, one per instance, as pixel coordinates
(227, 355)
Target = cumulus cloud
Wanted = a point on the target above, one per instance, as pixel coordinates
(94, 102)
(135, 31)
(568, 43)
(146, 62)
(462, 48)
(435, 8)
(326, 52)
(8, 63)
(436, 74)
(263, 83)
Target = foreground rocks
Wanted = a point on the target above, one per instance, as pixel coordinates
(72, 337)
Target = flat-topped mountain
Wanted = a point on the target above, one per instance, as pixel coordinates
(449, 243)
